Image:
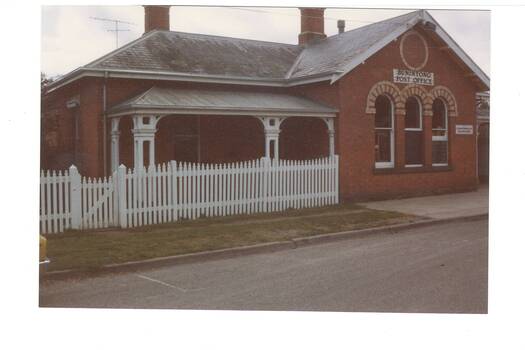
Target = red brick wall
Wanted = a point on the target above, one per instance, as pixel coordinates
(327, 94)
(223, 139)
(57, 142)
(91, 128)
(303, 138)
(356, 131)
(86, 153)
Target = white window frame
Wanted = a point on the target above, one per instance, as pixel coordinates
(442, 138)
(416, 129)
(383, 165)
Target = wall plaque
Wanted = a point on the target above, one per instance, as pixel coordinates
(464, 129)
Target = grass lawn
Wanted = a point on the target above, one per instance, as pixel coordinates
(91, 249)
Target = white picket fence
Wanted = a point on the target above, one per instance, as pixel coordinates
(175, 191)
(68, 200)
(55, 201)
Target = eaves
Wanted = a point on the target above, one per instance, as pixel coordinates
(186, 77)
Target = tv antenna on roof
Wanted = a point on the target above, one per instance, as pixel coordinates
(116, 22)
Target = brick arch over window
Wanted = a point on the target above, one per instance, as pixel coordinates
(384, 88)
(421, 93)
(447, 96)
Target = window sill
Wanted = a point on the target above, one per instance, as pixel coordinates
(412, 170)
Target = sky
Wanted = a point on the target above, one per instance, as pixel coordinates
(72, 38)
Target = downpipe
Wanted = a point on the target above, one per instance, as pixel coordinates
(104, 124)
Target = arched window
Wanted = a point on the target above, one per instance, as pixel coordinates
(414, 146)
(439, 133)
(384, 133)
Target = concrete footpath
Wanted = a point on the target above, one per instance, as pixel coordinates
(446, 206)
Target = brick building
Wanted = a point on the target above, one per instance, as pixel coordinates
(396, 100)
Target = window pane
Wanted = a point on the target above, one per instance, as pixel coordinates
(439, 152)
(413, 147)
(382, 146)
(439, 133)
(413, 114)
(439, 115)
(383, 118)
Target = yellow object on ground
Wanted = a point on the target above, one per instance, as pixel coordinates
(43, 248)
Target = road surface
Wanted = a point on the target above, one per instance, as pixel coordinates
(441, 268)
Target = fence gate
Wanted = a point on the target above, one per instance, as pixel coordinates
(98, 203)
(68, 201)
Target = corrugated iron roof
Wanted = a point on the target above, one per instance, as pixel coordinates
(157, 98)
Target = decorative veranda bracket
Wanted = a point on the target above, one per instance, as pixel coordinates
(144, 129)
(331, 134)
(272, 129)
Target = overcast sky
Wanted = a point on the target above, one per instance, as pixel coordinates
(70, 38)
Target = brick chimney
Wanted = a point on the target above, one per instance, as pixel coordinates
(312, 25)
(156, 17)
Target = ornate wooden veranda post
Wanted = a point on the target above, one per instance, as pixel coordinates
(331, 135)
(115, 139)
(144, 129)
(271, 134)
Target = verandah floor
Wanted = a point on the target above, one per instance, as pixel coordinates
(89, 250)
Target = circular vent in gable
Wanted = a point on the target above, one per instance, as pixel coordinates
(414, 50)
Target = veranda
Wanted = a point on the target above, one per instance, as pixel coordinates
(152, 193)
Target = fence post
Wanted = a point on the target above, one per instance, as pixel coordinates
(121, 194)
(174, 190)
(266, 189)
(114, 188)
(75, 196)
(336, 179)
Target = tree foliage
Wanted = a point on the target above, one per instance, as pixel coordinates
(44, 82)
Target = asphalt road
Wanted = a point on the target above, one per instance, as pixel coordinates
(442, 268)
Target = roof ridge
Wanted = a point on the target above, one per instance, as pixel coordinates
(120, 49)
(227, 37)
(375, 46)
(138, 97)
(375, 23)
(292, 69)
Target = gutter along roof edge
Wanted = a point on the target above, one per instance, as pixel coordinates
(188, 77)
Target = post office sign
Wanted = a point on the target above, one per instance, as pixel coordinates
(406, 76)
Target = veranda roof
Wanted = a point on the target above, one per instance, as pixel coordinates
(165, 101)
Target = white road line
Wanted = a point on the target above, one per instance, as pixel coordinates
(163, 283)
